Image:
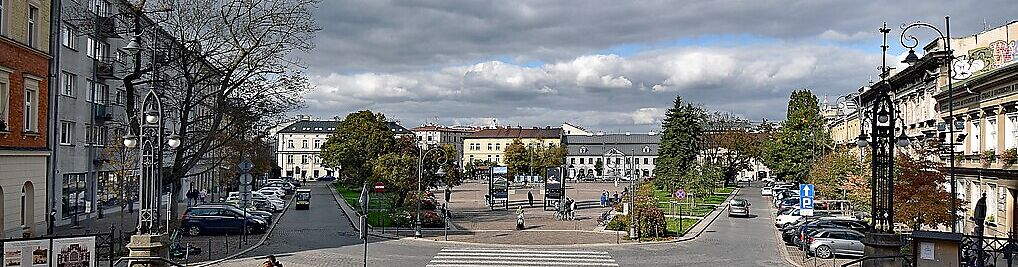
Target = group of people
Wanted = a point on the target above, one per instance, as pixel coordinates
(608, 201)
(195, 197)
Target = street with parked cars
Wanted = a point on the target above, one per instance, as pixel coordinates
(232, 216)
(832, 231)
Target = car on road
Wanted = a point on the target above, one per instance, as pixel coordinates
(221, 219)
(828, 243)
(738, 207)
(766, 191)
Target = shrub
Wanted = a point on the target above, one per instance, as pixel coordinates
(1009, 156)
(650, 220)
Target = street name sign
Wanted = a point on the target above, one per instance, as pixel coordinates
(806, 194)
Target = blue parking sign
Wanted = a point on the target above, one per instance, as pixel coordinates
(806, 194)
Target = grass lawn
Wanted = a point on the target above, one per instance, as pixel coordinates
(352, 196)
(673, 225)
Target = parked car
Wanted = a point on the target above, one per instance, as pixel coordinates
(213, 219)
(738, 207)
(288, 188)
(273, 192)
(277, 204)
(328, 178)
(265, 215)
(793, 215)
(829, 223)
(766, 191)
(789, 202)
(829, 243)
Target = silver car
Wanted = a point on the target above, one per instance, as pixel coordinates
(738, 207)
(827, 243)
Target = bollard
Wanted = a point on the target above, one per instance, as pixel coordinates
(209, 250)
(227, 245)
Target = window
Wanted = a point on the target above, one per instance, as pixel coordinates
(489, 146)
(498, 146)
(73, 194)
(497, 158)
(471, 158)
(69, 81)
(99, 7)
(95, 135)
(1001, 205)
(97, 49)
(646, 149)
(318, 144)
(289, 159)
(289, 143)
(66, 133)
(974, 141)
(33, 17)
(4, 98)
(69, 36)
(304, 143)
(3, 23)
(304, 159)
(645, 161)
(31, 105)
(1011, 130)
(583, 149)
(581, 160)
(573, 161)
(97, 92)
(991, 134)
(119, 99)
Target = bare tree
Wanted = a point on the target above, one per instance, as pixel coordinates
(729, 144)
(224, 70)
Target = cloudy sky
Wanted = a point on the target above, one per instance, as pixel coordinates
(605, 64)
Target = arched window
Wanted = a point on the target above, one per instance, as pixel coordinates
(27, 205)
(646, 149)
(583, 149)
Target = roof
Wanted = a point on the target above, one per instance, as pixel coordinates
(396, 128)
(547, 133)
(327, 127)
(630, 145)
(645, 138)
(308, 126)
(442, 129)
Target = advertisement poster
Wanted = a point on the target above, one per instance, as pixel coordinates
(74, 252)
(31, 253)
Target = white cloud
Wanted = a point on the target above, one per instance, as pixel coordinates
(601, 90)
(845, 37)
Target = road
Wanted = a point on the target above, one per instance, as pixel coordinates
(323, 237)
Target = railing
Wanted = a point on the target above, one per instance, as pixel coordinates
(104, 68)
(906, 260)
(988, 251)
(106, 27)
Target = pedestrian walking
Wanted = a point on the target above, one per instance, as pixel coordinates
(530, 198)
(52, 221)
(130, 204)
(270, 261)
(202, 195)
(615, 198)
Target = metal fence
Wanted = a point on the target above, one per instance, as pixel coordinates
(981, 251)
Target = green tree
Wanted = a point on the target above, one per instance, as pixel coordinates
(680, 143)
(399, 173)
(830, 172)
(801, 140)
(517, 158)
(361, 137)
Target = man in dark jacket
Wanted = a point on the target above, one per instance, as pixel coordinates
(530, 198)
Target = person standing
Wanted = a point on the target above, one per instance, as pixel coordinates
(604, 198)
(530, 198)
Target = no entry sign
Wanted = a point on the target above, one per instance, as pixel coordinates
(379, 187)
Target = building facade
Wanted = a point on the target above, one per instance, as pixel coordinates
(611, 156)
(490, 144)
(25, 148)
(442, 135)
(299, 146)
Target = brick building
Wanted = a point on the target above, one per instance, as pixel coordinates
(24, 98)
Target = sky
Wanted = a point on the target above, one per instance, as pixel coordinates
(606, 65)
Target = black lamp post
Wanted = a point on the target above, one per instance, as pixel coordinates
(881, 241)
(424, 151)
(150, 141)
(912, 58)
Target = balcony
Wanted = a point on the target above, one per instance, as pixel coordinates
(998, 161)
(102, 113)
(106, 27)
(104, 69)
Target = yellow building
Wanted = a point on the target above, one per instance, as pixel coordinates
(490, 144)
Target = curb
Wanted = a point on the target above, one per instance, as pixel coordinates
(256, 245)
(715, 213)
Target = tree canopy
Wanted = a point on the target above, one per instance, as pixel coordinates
(801, 140)
(681, 140)
(359, 138)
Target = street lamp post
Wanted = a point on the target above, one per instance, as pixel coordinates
(632, 198)
(882, 241)
(150, 141)
(912, 58)
(420, 176)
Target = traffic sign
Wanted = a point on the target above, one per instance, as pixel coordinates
(680, 194)
(379, 187)
(246, 178)
(806, 194)
(246, 165)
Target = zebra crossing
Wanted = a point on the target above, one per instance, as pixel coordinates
(467, 257)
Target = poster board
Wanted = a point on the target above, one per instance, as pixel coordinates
(73, 252)
(28, 253)
(498, 187)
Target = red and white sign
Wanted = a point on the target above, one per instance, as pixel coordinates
(379, 187)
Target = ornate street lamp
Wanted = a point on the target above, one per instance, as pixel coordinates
(149, 141)
(423, 152)
(947, 60)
